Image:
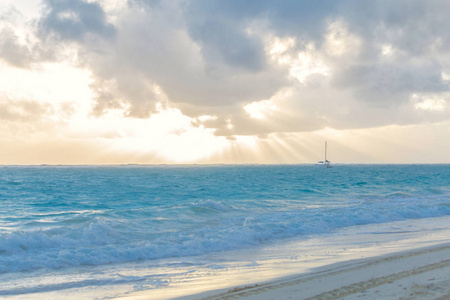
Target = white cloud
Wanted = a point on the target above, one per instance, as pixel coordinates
(30, 9)
(340, 41)
(278, 47)
(431, 104)
(301, 64)
(156, 74)
(445, 76)
(306, 64)
(260, 109)
(387, 49)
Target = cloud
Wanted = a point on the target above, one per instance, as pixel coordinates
(219, 30)
(26, 120)
(166, 56)
(75, 20)
(23, 111)
(390, 84)
(16, 47)
(296, 65)
(12, 51)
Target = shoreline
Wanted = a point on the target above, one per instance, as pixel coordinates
(377, 261)
(399, 260)
(414, 274)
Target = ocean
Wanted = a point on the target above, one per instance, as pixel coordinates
(103, 232)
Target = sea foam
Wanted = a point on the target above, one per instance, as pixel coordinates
(74, 216)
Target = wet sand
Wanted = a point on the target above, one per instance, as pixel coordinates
(415, 274)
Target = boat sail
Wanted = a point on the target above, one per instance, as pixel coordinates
(325, 162)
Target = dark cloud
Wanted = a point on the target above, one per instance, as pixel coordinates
(76, 20)
(210, 57)
(415, 27)
(306, 19)
(219, 29)
(155, 48)
(222, 43)
(391, 84)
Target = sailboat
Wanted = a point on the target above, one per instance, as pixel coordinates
(325, 162)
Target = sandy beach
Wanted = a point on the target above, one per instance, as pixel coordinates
(385, 265)
(416, 274)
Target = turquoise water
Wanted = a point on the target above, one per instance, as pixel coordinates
(58, 218)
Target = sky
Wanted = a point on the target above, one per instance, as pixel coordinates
(209, 81)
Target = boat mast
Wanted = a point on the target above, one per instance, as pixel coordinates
(325, 151)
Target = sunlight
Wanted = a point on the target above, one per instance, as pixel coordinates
(205, 118)
(65, 91)
(302, 64)
(430, 103)
(445, 76)
(269, 109)
(52, 83)
(172, 102)
(331, 132)
(278, 47)
(168, 134)
(387, 50)
(260, 109)
(307, 64)
(244, 149)
(339, 41)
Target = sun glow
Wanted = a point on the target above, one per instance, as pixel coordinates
(167, 134)
(63, 94)
(52, 83)
(260, 109)
(307, 64)
(429, 103)
(278, 47)
(302, 64)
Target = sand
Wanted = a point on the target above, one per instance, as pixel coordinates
(401, 260)
(415, 274)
